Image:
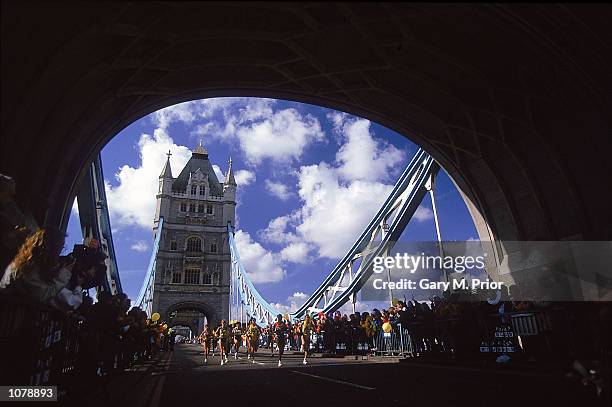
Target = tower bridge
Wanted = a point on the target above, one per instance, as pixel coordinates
(197, 264)
(513, 101)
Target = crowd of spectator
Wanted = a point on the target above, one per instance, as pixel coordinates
(113, 336)
(455, 324)
(110, 335)
(356, 332)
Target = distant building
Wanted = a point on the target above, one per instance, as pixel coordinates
(193, 262)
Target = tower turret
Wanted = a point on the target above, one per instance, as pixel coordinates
(229, 196)
(193, 263)
(167, 171)
(165, 190)
(229, 176)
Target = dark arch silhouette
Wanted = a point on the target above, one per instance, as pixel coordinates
(195, 305)
(185, 323)
(513, 101)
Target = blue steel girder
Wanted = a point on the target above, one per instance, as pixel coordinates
(145, 296)
(256, 306)
(95, 220)
(351, 273)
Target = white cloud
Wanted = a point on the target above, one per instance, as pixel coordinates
(300, 295)
(244, 177)
(335, 214)
(140, 246)
(337, 120)
(75, 207)
(278, 189)
(282, 136)
(218, 173)
(207, 108)
(423, 214)
(132, 202)
(182, 112)
(362, 157)
(278, 229)
(340, 199)
(332, 216)
(296, 253)
(192, 111)
(293, 302)
(261, 265)
(347, 308)
(261, 131)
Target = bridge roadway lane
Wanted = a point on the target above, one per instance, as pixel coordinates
(187, 381)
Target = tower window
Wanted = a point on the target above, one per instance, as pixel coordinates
(173, 244)
(192, 276)
(206, 278)
(213, 247)
(194, 244)
(169, 269)
(209, 209)
(202, 189)
(194, 189)
(176, 277)
(160, 187)
(201, 208)
(183, 207)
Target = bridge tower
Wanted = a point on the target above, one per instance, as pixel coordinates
(192, 267)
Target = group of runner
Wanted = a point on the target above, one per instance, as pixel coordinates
(230, 337)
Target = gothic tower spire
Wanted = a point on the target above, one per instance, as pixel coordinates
(200, 148)
(229, 176)
(167, 171)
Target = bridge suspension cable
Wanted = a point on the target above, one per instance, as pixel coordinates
(145, 297)
(352, 272)
(242, 291)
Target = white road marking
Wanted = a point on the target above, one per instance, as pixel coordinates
(259, 363)
(359, 386)
(160, 383)
(158, 391)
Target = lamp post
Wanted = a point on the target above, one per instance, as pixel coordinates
(430, 187)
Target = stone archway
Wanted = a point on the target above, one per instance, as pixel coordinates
(513, 101)
(200, 307)
(194, 329)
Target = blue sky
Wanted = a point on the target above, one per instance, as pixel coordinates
(309, 180)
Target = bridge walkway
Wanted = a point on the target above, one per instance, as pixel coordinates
(181, 378)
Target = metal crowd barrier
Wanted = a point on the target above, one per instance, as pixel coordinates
(354, 342)
(348, 342)
(550, 331)
(41, 343)
(395, 343)
(531, 323)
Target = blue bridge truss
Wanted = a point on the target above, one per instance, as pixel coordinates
(350, 274)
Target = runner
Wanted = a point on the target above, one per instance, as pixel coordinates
(307, 327)
(252, 333)
(237, 338)
(205, 338)
(270, 332)
(281, 330)
(223, 334)
(213, 342)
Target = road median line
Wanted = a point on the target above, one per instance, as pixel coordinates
(329, 379)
